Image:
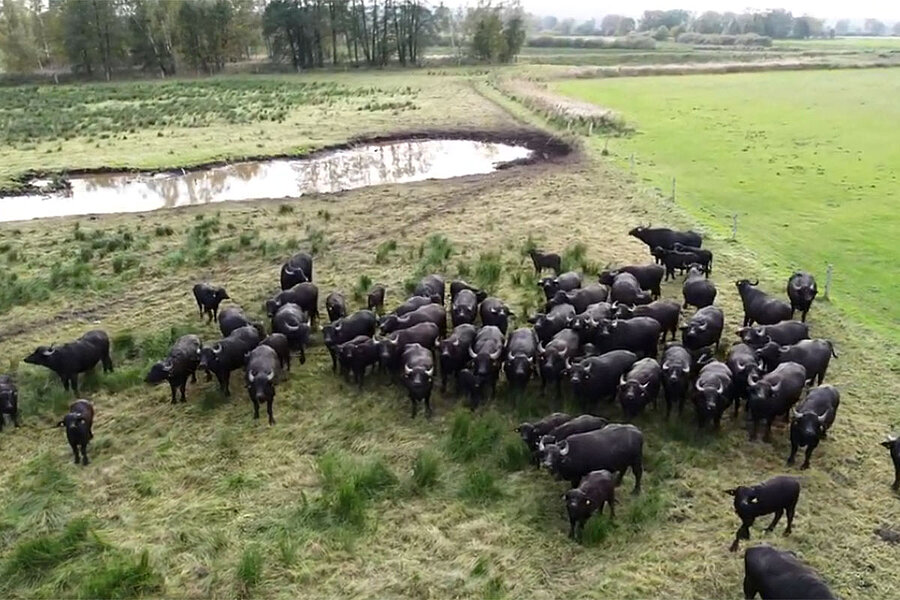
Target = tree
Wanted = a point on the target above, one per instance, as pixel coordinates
(609, 24)
(874, 27)
(661, 34)
(17, 43)
(586, 28)
(842, 27)
(626, 26)
(654, 19)
(896, 29)
(152, 27)
(778, 24)
(565, 27)
(549, 23)
(800, 29)
(709, 22)
(514, 34)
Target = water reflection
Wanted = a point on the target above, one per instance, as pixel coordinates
(396, 162)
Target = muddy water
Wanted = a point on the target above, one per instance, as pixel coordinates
(395, 162)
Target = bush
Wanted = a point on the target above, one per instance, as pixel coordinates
(715, 39)
(124, 262)
(627, 42)
(661, 34)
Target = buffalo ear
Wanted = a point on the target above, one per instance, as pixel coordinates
(61, 424)
(731, 492)
(888, 443)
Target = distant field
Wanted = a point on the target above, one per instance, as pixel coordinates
(805, 158)
(842, 43)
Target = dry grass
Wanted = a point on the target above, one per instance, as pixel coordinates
(335, 499)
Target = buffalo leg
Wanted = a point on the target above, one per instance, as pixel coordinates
(302, 356)
(172, 387)
(802, 316)
(413, 407)
(790, 518)
(428, 406)
(107, 363)
(333, 360)
(65, 381)
(75, 452)
(572, 528)
(753, 428)
(793, 456)
(896, 485)
(255, 407)
(775, 520)
(443, 380)
(74, 383)
(767, 436)
(269, 403)
(809, 451)
(16, 419)
(84, 458)
(638, 469)
(183, 388)
(749, 588)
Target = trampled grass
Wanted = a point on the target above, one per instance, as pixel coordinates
(346, 495)
(803, 158)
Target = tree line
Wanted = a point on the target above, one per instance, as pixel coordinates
(96, 38)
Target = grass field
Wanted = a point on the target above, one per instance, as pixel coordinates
(346, 496)
(803, 158)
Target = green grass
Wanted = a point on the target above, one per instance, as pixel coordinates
(803, 158)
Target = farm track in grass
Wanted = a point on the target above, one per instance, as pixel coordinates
(348, 496)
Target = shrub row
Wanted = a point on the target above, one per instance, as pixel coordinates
(627, 42)
(716, 39)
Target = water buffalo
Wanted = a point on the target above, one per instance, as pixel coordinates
(743, 364)
(579, 424)
(361, 322)
(521, 357)
(626, 290)
(784, 333)
(298, 269)
(777, 495)
(233, 317)
(457, 285)
(9, 401)
(543, 261)
(615, 448)
(304, 295)
(774, 394)
(566, 282)
(666, 312)
(531, 433)
(697, 290)
(227, 355)
(814, 355)
(597, 377)
(292, 322)
(335, 306)
(282, 347)
(180, 365)
(638, 334)
(586, 324)
(79, 423)
(676, 375)
(418, 377)
(464, 308)
(375, 299)
(812, 420)
(209, 298)
(713, 393)
(73, 358)
(759, 307)
(777, 574)
(702, 257)
(648, 276)
(703, 329)
(431, 286)
(665, 238)
(429, 313)
(454, 351)
(639, 387)
(892, 443)
(494, 312)
(596, 489)
(580, 298)
(802, 290)
(548, 324)
(411, 304)
(391, 347)
(356, 355)
(556, 357)
(673, 259)
(260, 374)
(486, 354)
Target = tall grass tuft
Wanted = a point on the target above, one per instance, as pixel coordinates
(362, 287)
(514, 455)
(426, 470)
(349, 483)
(384, 249)
(40, 495)
(434, 254)
(249, 569)
(480, 486)
(32, 560)
(574, 257)
(488, 270)
(121, 575)
(472, 437)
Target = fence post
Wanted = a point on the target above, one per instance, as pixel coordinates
(673, 189)
(734, 227)
(591, 128)
(828, 281)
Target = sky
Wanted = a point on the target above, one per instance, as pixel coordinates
(886, 10)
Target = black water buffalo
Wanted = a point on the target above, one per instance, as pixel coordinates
(579, 424)
(454, 351)
(418, 377)
(9, 401)
(615, 448)
(892, 443)
(648, 276)
(580, 298)
(703, 329)
(760, 307)
(494, 311)
(542, 260)
(596, 378)
(566, 282)
(814, 355)
(292, 322)
(556, 357)
(391, 347)
(666, 312)
(743, 364)
(457, 285)
(812, 420)
(665, 238)
(260, 374)
(486, 354)
(228, 354)
(79, 422)
(282, 347)
(774, 394)
(676, 375)
(304, 295)
(639, 387)
(233, 317)
(777, 495)
(548, 324)
(431, 286)
(697, 290)
(521, 357)
(335, 306)
(362, 322)
(702, 257)
(713, 393)
(801, 290)
(411, 304)
(209, 298)
(779, 575)
(298, 269)
(73, 358)
(429, 313)
(464, 308)
(784, 333)
(587, 323)
(680, 260)
(531, 433)
(638, 334)
(596, 489)
(375, 299)
(626, 290)
(358, 354)
(179, 366)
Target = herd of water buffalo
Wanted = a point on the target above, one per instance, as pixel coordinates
(606, 339)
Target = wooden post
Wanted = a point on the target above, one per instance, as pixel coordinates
(734, 227)
(591, 128)
(828, 281)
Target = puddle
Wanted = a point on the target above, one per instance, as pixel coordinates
(374, 164)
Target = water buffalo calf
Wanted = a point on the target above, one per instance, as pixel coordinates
(639, 387)
(596, 489)
(180, 365)
(784, 333)
(78, 423)
(431, 286)
(9, 401)
(774, 394)
(760, 307)
(358, 354)
(812, 420)
(335, 306)
(801, 290)
(566, 282)
(375, 299)
(531, 433)
(892, 443)
(814, 355)
(779, 575)
(261, 374)
(294, 323)
(73, 358)
(454, 351)
(282, 347)
(544, 260)
(777, 495)
(615, 448)
(208, 299)
(713, 393)
(362, 322)
(676, 375)
(697, 290)
(418, 377)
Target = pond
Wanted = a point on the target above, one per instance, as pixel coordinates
(361, 166)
